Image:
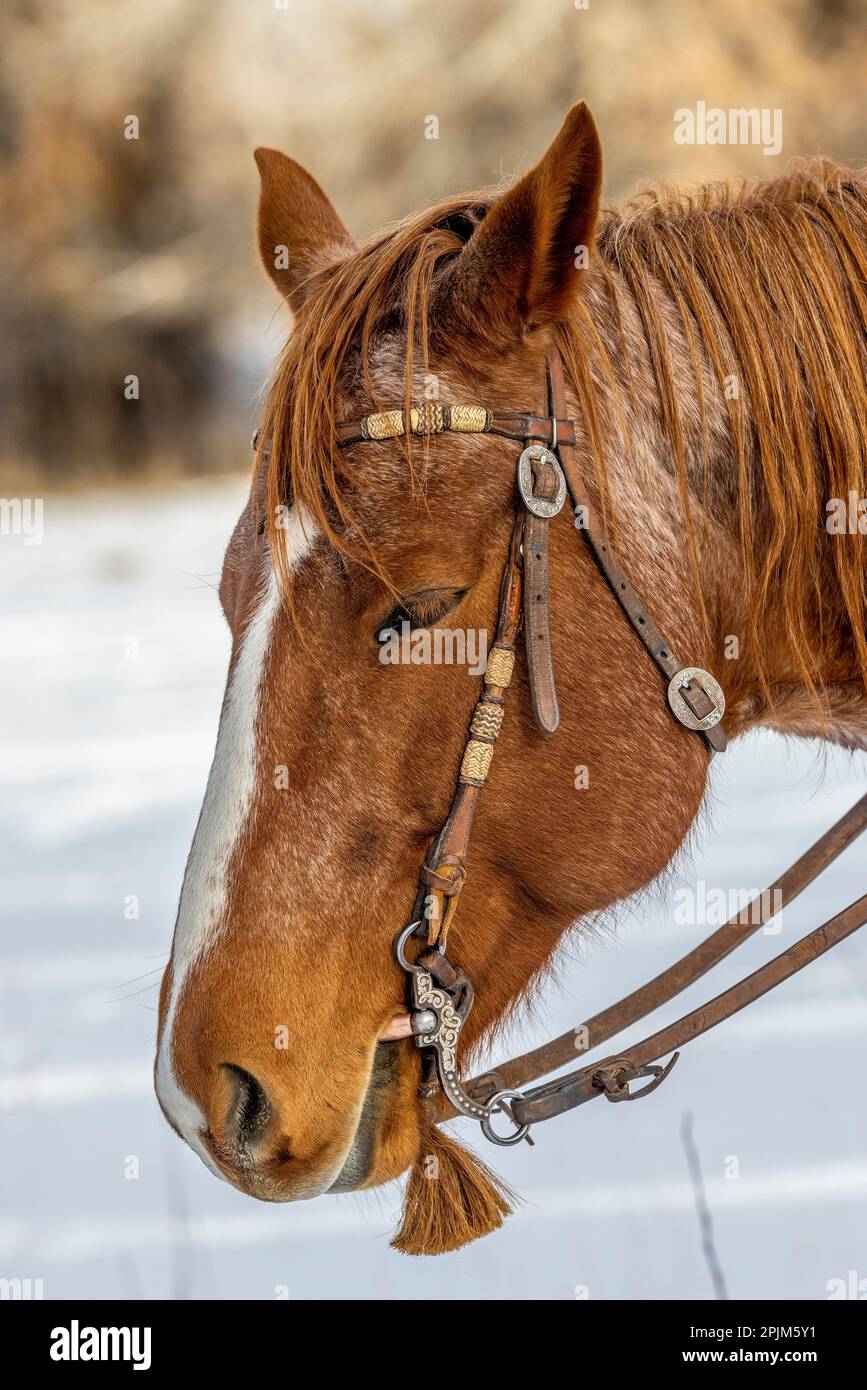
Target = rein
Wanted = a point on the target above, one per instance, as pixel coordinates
(440, 993)
(611, 1076)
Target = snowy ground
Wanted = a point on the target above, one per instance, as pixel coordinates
(114, 654)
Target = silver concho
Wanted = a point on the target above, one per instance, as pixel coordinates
(539, 506)
(681, 709)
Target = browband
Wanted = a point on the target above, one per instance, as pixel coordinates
(433, 418)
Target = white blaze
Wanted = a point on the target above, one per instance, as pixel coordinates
(228, 799)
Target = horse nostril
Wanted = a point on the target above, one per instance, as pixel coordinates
(249, 1109)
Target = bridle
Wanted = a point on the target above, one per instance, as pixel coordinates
(440, 993)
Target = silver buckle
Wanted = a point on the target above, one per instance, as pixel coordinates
(679, 707)
(539, 506)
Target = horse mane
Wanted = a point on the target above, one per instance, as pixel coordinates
(768, 283)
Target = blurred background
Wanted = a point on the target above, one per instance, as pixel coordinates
(124, 256)
(135, 258)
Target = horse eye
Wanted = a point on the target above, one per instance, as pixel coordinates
(420, 611)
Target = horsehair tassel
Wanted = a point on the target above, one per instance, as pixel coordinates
(451, 1198)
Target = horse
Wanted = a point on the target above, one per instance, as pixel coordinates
(714, 351)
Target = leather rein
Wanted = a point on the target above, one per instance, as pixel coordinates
(440, 993)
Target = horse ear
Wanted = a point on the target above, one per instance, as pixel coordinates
(524, 264)
(298, 227)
